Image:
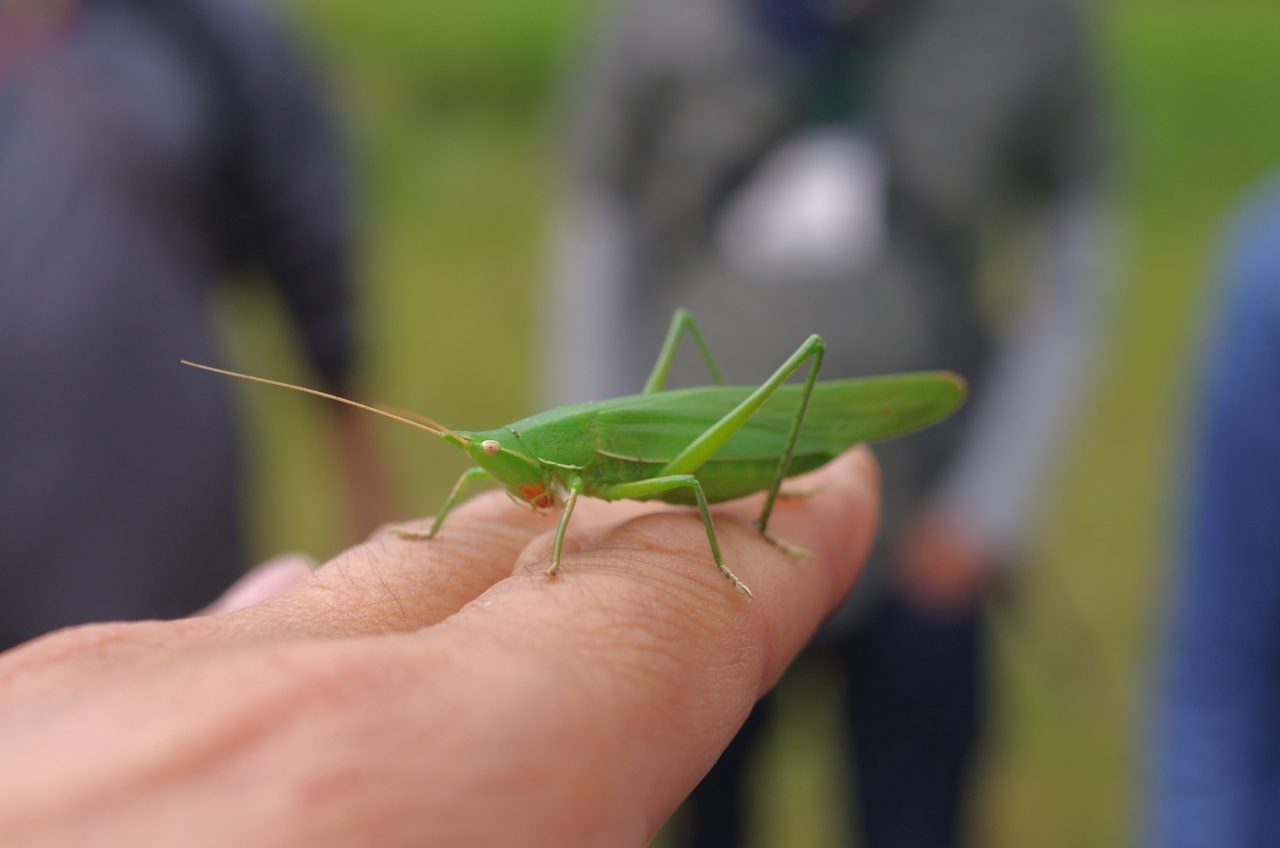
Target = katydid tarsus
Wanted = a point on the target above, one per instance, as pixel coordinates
(695, 446)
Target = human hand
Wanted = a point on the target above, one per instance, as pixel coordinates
(941, 566)
(441, 693)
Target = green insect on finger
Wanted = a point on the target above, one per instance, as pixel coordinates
(694, 446)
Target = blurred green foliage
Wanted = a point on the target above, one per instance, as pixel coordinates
(452, 109)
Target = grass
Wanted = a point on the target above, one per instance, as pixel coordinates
(452, 106)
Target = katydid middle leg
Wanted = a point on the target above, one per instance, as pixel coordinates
(681, 321)
(657, 485)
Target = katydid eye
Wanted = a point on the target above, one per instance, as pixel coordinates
(491, 447)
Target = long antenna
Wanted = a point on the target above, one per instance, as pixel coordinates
(435, 428)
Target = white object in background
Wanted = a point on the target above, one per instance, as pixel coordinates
(814, 211)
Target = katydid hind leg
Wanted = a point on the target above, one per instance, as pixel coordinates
(786, 547)
(802, 493)
(814, 349)
(681, 321)
(476, 473)
(658, 485)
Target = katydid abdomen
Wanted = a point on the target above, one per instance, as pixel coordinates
(721, 480)
(632, 438)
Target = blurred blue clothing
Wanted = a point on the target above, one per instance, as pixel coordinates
(1217, 756)
(147, 148)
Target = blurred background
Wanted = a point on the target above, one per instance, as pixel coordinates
(453, 111)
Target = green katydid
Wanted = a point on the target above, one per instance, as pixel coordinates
(697, 446)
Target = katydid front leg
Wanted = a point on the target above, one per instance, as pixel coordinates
(476, 473)
(571, 500)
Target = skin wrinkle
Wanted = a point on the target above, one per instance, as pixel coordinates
(599, 733)
(656, 627)
(641, 647)
(469, 573)
(371, 601)
(358, 605)
(116, 652)
(702, 583)
(446, 590)
(324, 691)
(388, 739)
(69, 646)
(277, 683)
(493, 668)
(640, 611)
(680, 688)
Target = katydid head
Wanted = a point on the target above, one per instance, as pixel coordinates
(501, 454)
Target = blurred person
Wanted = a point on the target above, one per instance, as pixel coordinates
(1217, 741)
(783, 167)
(147, 149)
